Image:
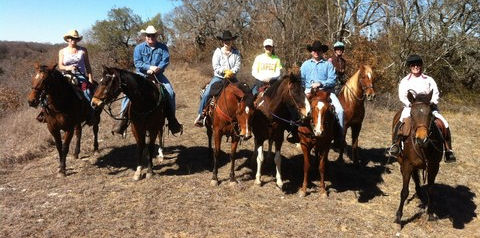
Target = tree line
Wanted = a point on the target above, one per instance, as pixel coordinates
(381, 33)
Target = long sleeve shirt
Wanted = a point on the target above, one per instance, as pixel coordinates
(266, 67)
(145, 56)
(222, 62)
(321, 71)
(422, 84)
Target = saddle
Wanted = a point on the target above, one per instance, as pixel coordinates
(405, 129)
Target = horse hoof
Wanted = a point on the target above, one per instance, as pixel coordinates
(136, 176)
(431, 217)
(323, 194)
(258, 183)
(160, 159)
(75, 156)
(214, 183)
(302, 194)
(233, 183)
(149, 175)
(280, 186)
(397, 220)
(61, 175)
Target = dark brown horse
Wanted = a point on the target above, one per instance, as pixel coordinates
(63, 109)
(229, 116)
(272, 117)
(352, 96)
(146, 110)
(318, 134)
(422, 150)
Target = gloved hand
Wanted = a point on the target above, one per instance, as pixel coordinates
(228, 74)
(317, 85)
(149, 71)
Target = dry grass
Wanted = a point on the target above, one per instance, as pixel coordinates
(98, 198)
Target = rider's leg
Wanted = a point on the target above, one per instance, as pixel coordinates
(122, 124)
(203, 101)
(173, 124)
(395, 149)
(339, 141)
(449, 155)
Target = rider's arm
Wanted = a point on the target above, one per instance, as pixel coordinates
(403, 92)
(331, 76)
(278, 67)
(217, 67)
(141, 66)
(165, 58)
(88, 68)
(237, 62)
(255, 72)
(436, 93)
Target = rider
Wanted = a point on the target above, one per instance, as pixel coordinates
(421, 84)
(225, 61)
(339, 63)
(320, 73)
(151, 58)
(266, 67)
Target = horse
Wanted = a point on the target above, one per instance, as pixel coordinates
(271, 117)
(317, 134)
(64, 110)
(146, 110)
(422, 149)
(352, 96)
(229, 116)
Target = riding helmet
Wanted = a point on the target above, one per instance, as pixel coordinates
(414, 59)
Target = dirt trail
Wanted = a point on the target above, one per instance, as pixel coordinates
(98, 198)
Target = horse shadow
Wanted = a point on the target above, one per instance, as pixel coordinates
(453, 203)
(364, 180)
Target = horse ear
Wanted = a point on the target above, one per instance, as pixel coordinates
(410, 97)
(52, 66)
(36, 65)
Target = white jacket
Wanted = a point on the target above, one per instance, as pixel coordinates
(421, 85)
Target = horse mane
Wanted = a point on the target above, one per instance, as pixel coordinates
(292, 77)
(248, 96)
(353, 83)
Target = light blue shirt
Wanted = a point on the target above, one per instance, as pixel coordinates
(145, 56)
(318, 72)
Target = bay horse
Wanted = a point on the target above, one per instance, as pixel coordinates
(64, 110)
(352, 96)
(422, 149)
(229, 116)
(317, 134)
(272, 117)
(146, 110)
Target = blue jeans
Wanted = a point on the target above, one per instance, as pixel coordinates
(171, 96)
(205, 95)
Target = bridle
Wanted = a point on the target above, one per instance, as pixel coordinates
(297, 123)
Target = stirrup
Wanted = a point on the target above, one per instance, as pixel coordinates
(393, 151)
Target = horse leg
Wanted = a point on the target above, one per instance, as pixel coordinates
(95, 137)
(78, 135)
(210, 150)
(260, 158)
(151, 152)
(321, 169)
(58, 143)
(140, 138)
(306, 167)
(216, 153)
(432, 174)
(355, 133)
(233, 151)
(160, 155)
(406, 169)
(278, 163)
(416, 180)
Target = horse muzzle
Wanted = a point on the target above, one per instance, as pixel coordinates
(33, 102)
(370, 97)
(96, 103)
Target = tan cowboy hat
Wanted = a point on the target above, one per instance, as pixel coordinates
(149, 31)
(72, 34)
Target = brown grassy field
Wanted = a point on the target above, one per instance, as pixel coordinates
(98, 198)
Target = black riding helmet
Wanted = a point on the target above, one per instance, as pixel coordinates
(412, 59)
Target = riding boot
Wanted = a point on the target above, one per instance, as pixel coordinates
(121, 125)
(293, 136)
(199, 121)
(394, 150)
(174, 126)
(449, 155)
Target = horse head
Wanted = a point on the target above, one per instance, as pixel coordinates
(39, 83)
(322, 114)
(294, 95)
(109, 87)
(366, 79)
(244, 108)
(421, 116)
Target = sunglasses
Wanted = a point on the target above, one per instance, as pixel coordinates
(151, 35)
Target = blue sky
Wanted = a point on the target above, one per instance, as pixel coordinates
(47, 20)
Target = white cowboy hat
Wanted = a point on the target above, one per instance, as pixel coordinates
(150, 30)
(72, 34)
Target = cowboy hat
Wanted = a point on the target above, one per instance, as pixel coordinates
(72, 34)
(149, 31)
(317, 46)
(226, 36)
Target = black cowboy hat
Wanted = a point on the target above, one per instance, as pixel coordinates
(226, 36)
(317, 46)
(414, 59)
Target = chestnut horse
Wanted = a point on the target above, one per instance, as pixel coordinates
(422, 149)
(352, 97)
(64, 110)
(146, 110)
(229, 116)
(272, 117)
(317, 134)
